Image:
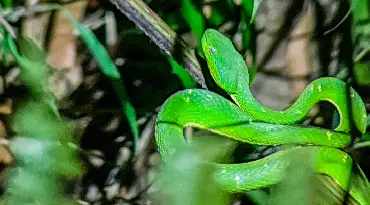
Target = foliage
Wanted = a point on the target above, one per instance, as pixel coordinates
(41, 148)
(31, 119)
(179, 187)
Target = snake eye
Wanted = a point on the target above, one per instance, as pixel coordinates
(212, 50)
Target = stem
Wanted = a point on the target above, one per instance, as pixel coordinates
(7, 27)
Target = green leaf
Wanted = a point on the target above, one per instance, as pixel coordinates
(248, 6)
(193, 16)
(109, 69)
(251, 7)
(361, 10)
(252, 74)
(246, 30)
(95, 47)
(129, 110)
(9, 45)
(184, 76)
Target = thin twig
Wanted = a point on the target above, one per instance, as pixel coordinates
(7, 26)
(161, 34)
(354, 2)
(16, 13)
(361, 55)
(361, 145)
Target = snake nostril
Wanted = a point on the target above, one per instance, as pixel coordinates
(212, 50)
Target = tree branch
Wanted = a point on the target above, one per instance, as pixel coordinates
(162, 35)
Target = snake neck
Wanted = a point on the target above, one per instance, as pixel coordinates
(324, 89)
(250, 105)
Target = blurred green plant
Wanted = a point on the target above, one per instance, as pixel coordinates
(107, 66)
(186, 179)
(44, 156)
(41, 148)
(7, 3)
(361, 23)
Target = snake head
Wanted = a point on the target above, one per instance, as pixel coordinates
(226, 65)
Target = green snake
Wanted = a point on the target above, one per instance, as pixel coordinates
(247, 121)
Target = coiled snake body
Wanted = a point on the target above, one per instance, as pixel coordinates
(247, 121)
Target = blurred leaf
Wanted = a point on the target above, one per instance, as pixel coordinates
(9, 45)
(246, 30)
(248, 33)
(220, 12)
(186, 178)
(7, 3)
(361, 10)
(194, 17)
(31, 51)
(42, 157)
(295, 188)
(33, 70)
(362, 73)
(364, 52)
(259, 197)
(366, 137)
(175, 20)
(363, 29)
(251, 7)
(184, 76)
(252, 74)
(248, 7)
(216, 17)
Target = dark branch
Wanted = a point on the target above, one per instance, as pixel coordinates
(161, 34)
